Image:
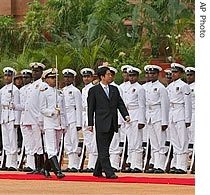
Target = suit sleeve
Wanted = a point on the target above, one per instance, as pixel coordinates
(121, 106)
(91, 100)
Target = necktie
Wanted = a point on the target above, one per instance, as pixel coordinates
(106, 91)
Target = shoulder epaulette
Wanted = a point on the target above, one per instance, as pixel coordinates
(44, 89)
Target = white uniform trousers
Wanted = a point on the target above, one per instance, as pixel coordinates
(52, 139)
(29, 144)
(179, 139)
(9, 139)
(191, 131)
(36, 135)
(71, 148)
(91, 147)
(157, 141)
(115, 150)
(135, 149)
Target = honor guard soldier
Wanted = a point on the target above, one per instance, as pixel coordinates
(27, 79)
(168, 76)
(190, 73)
(180, 115)
(52, 107)
(123, 140)
(135, 102)
(89, 137)
(73, 102)
(157, 116)
(32, 118)
(10, 119)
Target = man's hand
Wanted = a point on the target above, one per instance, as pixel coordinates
(141, 126)
(187, 124)
(90, 128)
(79, 128)
(58, 111)
(16, 126)
(127, 119)
(164, 127)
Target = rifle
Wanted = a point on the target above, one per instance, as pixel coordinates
(11, 101)
(60, 153)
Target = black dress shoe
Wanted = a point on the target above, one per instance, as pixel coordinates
(98, 175)
(150, 170)
(66, 170)
(27, 169)
(4, 168)
(47, 174)
(172, 170)
(159, 171)
(115, 170)
(151, 166)
(112, 177)
(73, 170)
(180, 171)
(90, 170)
(12, 169)
(136, 170)
(60, 175)
(192, 172)
(126, 170)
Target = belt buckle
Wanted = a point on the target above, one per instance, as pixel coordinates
(150, 107)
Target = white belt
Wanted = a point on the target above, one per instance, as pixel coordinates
(84, 109)
(173, 105)
(152, 107)
(134, 107)
(5, 107)
(71, 108)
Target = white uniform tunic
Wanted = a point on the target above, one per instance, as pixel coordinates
(89, 137)
(9, 96)
(135, 102)
(54, 123)
(180, 113)
(192, 126)
(73, 106)
(32, 118)
(157, 114)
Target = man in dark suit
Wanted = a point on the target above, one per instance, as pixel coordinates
(105, 106)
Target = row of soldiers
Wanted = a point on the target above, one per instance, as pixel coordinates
(158, 114)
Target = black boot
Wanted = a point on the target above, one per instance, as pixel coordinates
(47, 168)
(56, 168)
(39, 164)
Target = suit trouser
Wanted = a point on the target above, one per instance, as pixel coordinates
(103, 141)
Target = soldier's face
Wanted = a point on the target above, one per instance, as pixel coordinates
(153, 77)
(176, 75)
(133, 78)
(68, 80)
(26, 80)
(8, 79)
(51, 81)
(87, 79)
(36, 74)
(190, 78)
(125, 76)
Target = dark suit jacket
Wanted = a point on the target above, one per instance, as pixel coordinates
(104, 108)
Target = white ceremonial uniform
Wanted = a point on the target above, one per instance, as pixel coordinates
(157, 114)
(191, 128)
(32, 118)
(73, 102)
(89, 137)
(180, 113)
(135, 102)
(26, 132)
(115, 150)
(9, 96)
(54, 123)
